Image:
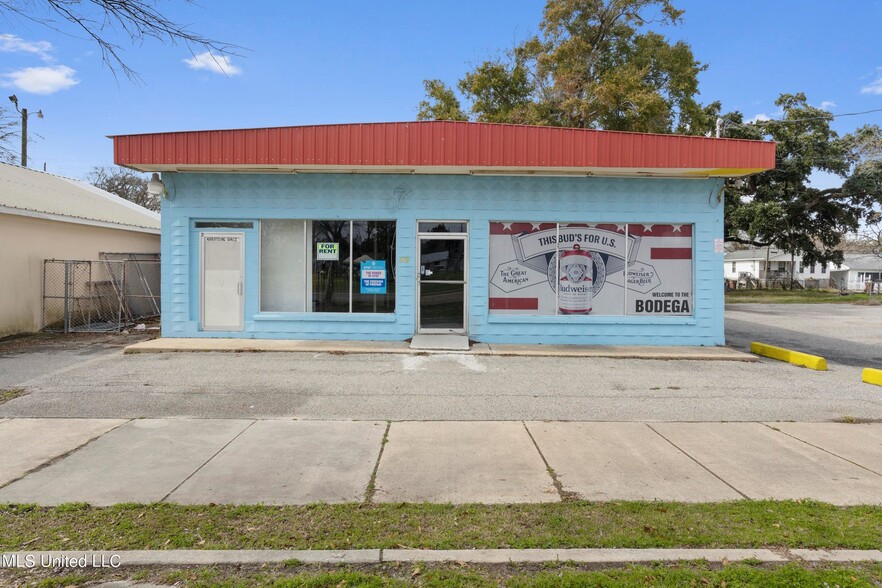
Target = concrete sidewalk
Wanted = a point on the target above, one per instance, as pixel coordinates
(172, 345)
(242, 557)
(242, 461)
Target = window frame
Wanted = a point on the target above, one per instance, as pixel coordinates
(309, 260)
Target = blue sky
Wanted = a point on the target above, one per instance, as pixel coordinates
(328, 62)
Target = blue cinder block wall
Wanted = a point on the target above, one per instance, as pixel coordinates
(409, 198)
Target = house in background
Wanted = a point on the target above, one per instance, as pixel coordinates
(764, 264)
(44, 216)
(858, 270)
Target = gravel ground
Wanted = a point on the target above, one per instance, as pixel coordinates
(104, 383)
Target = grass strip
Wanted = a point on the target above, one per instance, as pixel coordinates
(361, 526)
(801, 297)
(555, 575)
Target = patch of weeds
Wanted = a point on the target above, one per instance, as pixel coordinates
(796, 297)
(850, 420)
(11, 394)
(786, 576)
(69, 507)
(63, 581)
(372, 483)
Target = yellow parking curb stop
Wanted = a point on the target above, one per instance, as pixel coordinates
(872, 376)
(795, 357)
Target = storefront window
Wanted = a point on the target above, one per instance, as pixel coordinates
(327, 266)
(443, 227)
(660, 271)
(353, 266)
(592, 263)
(330, 265)
(373, 266)
(282, 266)
(582, 268)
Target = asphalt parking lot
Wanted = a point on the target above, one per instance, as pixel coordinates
(845, 334)
(103, 383)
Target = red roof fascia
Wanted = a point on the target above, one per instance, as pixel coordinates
(439, 143)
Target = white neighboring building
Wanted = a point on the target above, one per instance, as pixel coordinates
(44, 216)
(857, 270)
(753, 263)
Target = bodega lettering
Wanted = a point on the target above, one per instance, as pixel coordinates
(662, 306)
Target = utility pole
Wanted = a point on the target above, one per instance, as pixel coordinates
(24, 128)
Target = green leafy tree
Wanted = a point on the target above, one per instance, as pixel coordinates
(500, 92)
(781, 208)
(441, 103)
(595, 64)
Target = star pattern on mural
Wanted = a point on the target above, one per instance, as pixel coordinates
(506, 226)
(677, 228)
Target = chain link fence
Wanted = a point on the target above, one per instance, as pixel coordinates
(107, 294)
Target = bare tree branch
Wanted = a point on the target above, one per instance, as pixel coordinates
(125, 183)
(8, 132)
(137, 19)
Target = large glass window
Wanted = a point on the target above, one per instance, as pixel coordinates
(373, 265)
(603, 269)
(660, 270)
(282, 266)
(327, 266)
(354, 266)
(330, 265)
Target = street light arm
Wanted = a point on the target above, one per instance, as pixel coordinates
(24, 128)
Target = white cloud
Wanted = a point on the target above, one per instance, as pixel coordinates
(874, 87)
(759, 117)
(827, 105)
(15, 44)
(214, 63)
(41, 80)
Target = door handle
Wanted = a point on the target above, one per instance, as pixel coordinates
(239, 288)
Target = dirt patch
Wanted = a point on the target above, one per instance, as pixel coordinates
(69, 341)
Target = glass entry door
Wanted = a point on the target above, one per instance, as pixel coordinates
(442, 283)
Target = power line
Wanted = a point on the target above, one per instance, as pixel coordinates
(734, 125)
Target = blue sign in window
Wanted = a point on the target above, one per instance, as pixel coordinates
(373, 277)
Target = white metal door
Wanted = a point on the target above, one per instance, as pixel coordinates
(222, 281)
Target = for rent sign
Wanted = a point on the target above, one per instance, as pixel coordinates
(327, 251)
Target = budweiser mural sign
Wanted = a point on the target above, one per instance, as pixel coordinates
(584, 268)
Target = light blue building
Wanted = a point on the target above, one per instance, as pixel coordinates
(503, 233)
